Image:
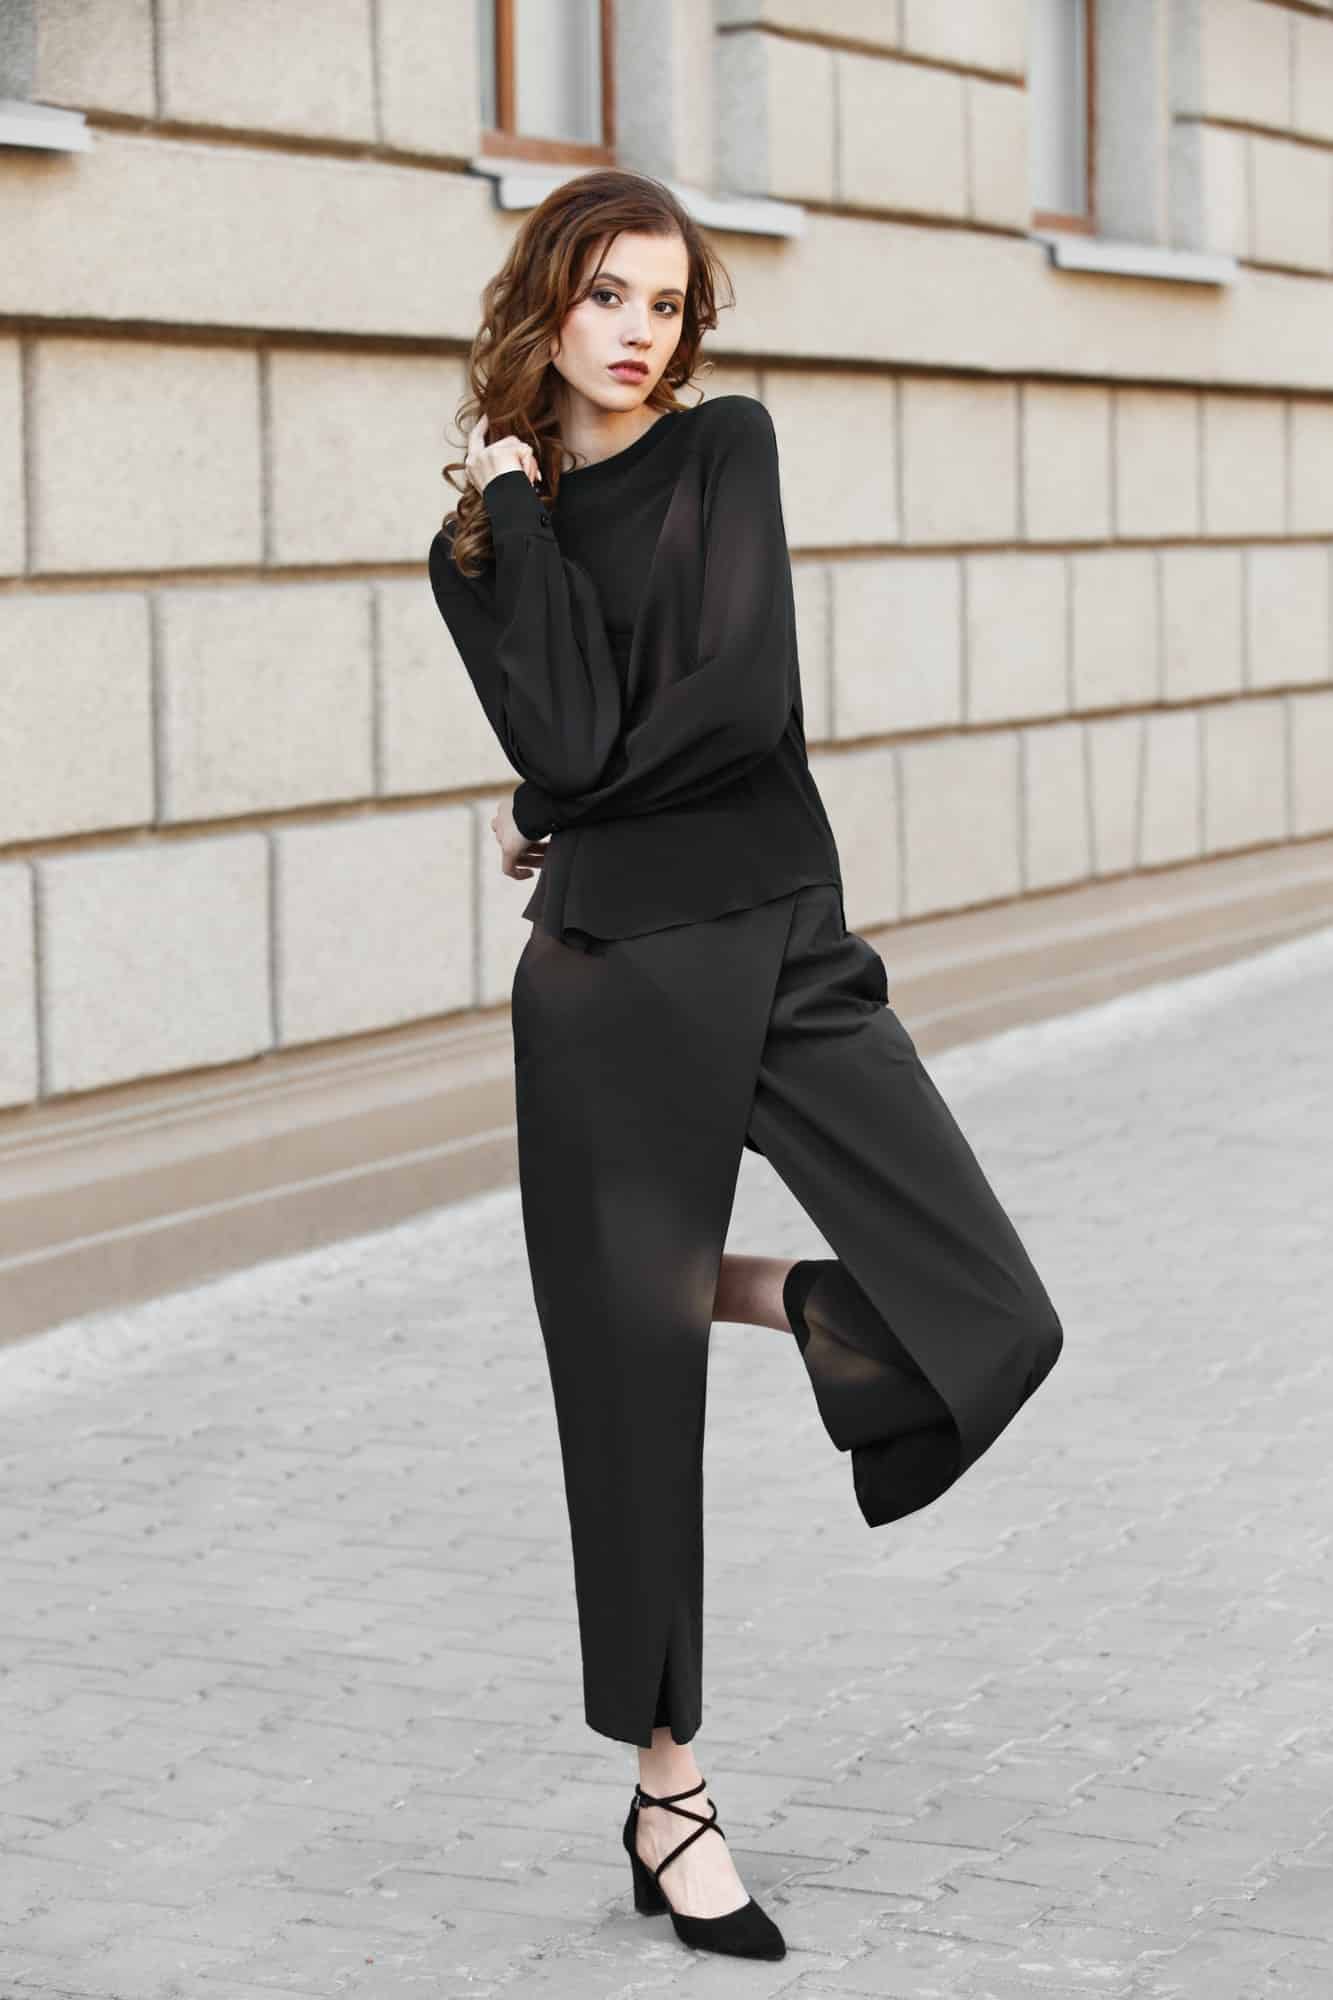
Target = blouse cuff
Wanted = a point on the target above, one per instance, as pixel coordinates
(533, 811)
(512, 503)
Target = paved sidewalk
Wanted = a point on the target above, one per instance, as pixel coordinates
(289, 1698)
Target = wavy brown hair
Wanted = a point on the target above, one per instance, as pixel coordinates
(510, 375)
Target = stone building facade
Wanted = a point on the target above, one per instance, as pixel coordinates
(1041, 299)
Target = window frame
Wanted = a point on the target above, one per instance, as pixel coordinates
(501, 140)
(1085, 221)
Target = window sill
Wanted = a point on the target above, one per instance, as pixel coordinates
(1072, 251)
(43, 126)
(525, 183)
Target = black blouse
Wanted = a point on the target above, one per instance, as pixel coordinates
(634, 650)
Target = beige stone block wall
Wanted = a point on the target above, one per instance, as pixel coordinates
(265, 697)
(1311, 736)
(1114, 628)
(1245, 66)
(1114, 750)
(432, 731)
(897, 644)
(1224, 195)
(1056, 832)
(1017, 622)
(776, 117)
(984, 34)
(1066, 454)
(426, 57)
(1312, 77)
(1292, 193)
(372, 921)
(997, 154)
(837, 445)
(1244, 465)
(76, 728)
(960, 820)
(1244, 773)
(869, 21)
(860, 790)
(18, 986)
(1156, 462)
(358, 444)
(12, 504)
(901, 136)
(96, 54)
(1289, 616)
(1202, 622)
(306, 69)
(1170, 818)
(1311, 467)
(959, 460)
(154, 958)
(145, 456)
(812, 589)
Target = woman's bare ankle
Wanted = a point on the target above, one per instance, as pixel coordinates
(668, 1767)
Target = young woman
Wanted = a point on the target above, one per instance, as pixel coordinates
(689, 987)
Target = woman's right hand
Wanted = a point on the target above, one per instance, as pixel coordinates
(484, 462)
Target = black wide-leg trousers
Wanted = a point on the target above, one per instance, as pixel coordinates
(644, 1067)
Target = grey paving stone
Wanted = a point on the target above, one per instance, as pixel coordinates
(289, 1695)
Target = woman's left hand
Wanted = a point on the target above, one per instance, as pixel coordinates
(518, 855)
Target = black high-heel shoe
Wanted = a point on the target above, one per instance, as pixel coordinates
(748, 1932)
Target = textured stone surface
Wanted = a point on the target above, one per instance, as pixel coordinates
(289, 1674)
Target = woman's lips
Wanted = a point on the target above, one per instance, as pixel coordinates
(629, 371)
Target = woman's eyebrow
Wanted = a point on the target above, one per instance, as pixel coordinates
(662, 289)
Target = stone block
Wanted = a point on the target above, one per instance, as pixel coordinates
(12, 503)
(837, 442)
(1311, 736)
(868, 21)
(1066, 456)
(18, 986)
(1114, 749)
(1244, 773)
(1156, 462)
(897, 644)
(265, 698)
(1311, 467)
(960, 460)
(76, 720)
(860, 793)
(146, 455)
(96, 55)
(1169, 818)
(1245, 62)
(358, 443)
(427, 66)
(373, 920)
(1055, 806)
(1017, 626)
(1202, 622)
(1244, 465)
(977, 34)
(997, 154)
(433, 733)
(901, 136)
(306, 70)
(155, 958)
(1292, 194)
(1114, 627)
(960, 820)
(1289, 615)
(1312, 77)
(812, 588)
(775, 117)
(1222, 164)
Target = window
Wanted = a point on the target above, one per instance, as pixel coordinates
(546, 79)
(1061, 91)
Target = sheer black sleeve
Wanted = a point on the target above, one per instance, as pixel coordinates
(529, 631)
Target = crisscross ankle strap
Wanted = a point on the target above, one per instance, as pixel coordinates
(642, 1798)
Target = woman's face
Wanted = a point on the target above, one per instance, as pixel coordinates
(628, 310)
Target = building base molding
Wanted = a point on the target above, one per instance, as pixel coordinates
(130, 1193)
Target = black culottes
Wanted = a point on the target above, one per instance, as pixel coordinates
(643, 1068)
